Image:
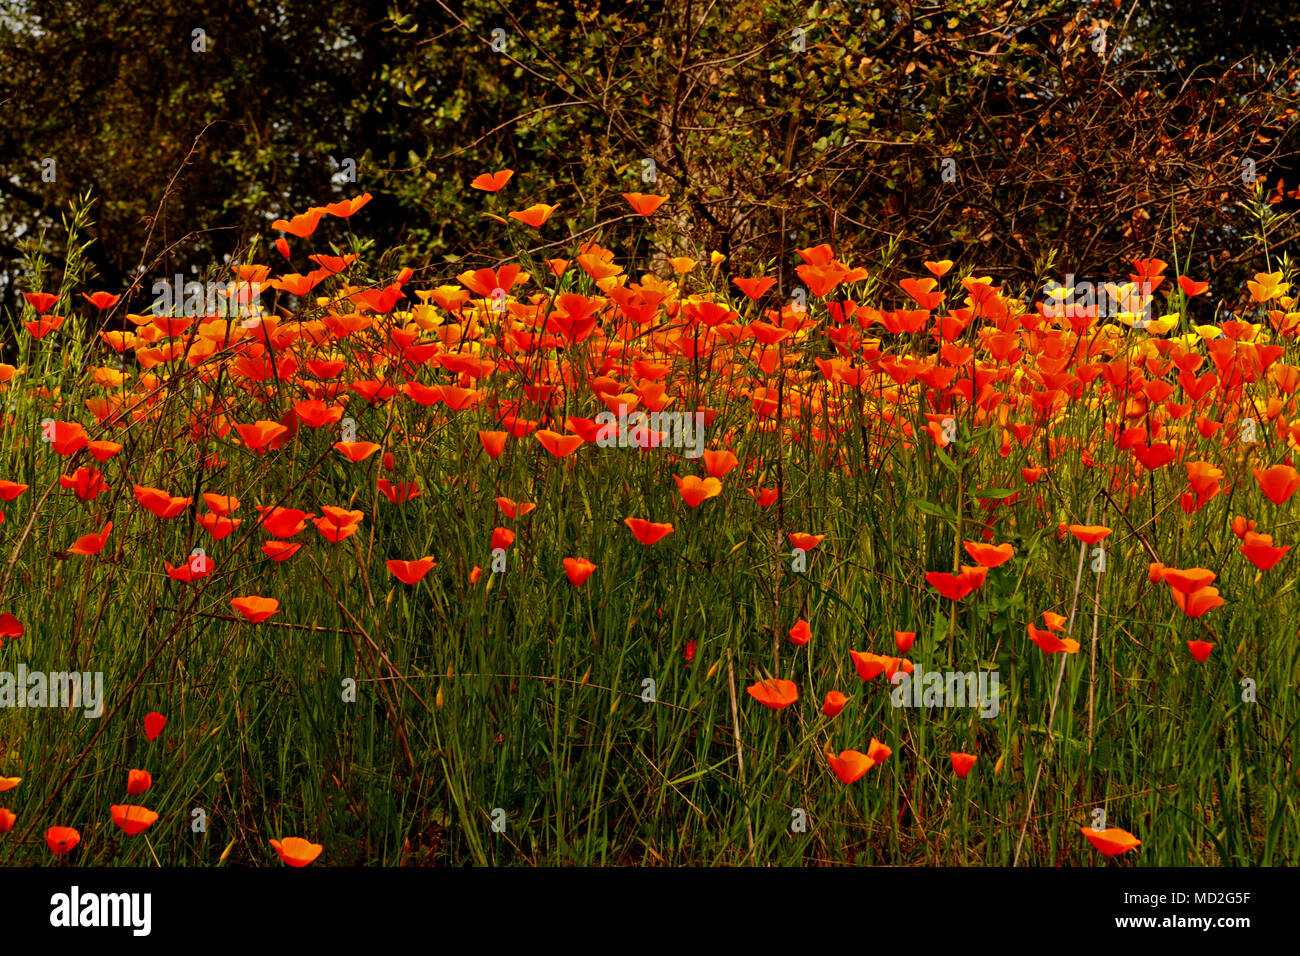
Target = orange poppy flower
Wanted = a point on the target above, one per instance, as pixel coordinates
(1052, 644)
(9, 783)
(356, 450)
(1112, 841)
(132, 819)
(1189, 580)
(514, 509)
(1088, 533)
(805, 542)
(644, 204)
(989, 555)
(577, 570)
(159, 503)
(648, 532)
(775, 692)
(834, 703)
(1200, 649)
(1278, 483)
(962, 763)
(718, 463)
(871, 666)
(411, 572)
(851, 765)
(262, 436)
(1198, 602)
(903, 640)
(7, 820)
(801, 633)
(558, 445)
(296, 851)
(492, 182)
(695, 491)
(89, 544)
(494, 443)
(255, 609)
(957, 586)
(280, 550)
(502, 538)
(534, 215)
(138, 781)
(346, 208)
(754, 288)
(1261, 552)
(61, 839)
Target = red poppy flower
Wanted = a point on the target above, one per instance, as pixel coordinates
(132, 819)
(577, 570)
(962, 763)
(153, 725)
(61, 839)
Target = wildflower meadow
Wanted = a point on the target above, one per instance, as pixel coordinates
(581, 537)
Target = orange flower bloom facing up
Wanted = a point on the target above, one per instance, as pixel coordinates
(138, 781)
(834, 703)
(492, 182)
(296, 851)
(494, 443)
(280, 550)
(718, 463)
(851, 765)
(870, 666)
(355, 451)
(805, 542)
(1088, 533)
(1052, 644)
(255, 609)
(957, 586)
(989, 555)
(962, 763)
(1200, 650)
(801, 633)
(775, 693)
(535, 215)
(132, 820)
(1112, 841)
(695, 491)
(1278, 483)
(577, 570)
(9, 783)
(89, 544)
(411, 572)
(644, 204)
(1198, 602)
(61, 839)
(558, 445)
(903, 640)
(1189, 580)
(1260, 551)
(7, 820)
(648, 532)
